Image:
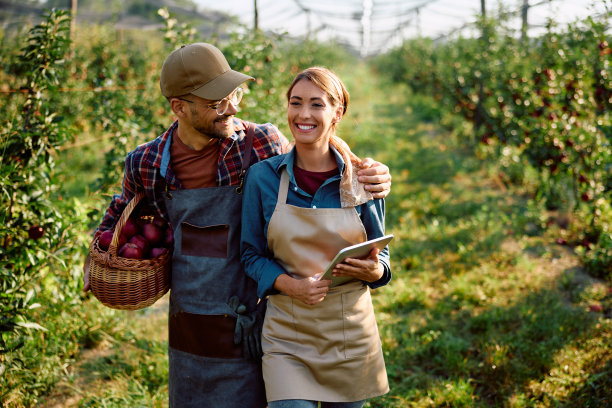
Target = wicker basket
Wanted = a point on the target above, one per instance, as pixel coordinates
(124, 283)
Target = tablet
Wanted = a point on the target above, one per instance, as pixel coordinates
(354, 251)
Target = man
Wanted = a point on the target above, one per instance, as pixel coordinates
(192, 176)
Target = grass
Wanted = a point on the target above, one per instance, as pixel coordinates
(123, 361)
(481, 312)
(484, 309)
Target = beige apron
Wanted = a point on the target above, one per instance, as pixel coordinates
(330, 351)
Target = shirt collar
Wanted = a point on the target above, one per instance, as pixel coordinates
(289, 159)
(165, 160)
(238, 126)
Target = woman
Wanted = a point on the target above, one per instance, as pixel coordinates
(301, 208)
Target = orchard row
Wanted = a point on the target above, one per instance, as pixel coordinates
(543, 104)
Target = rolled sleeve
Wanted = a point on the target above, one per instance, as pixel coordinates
(372, 214)
(119, 202)
(255, 256)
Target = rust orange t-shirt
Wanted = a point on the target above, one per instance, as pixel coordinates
(195, 168)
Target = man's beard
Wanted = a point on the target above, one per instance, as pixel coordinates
(212, 131)
(218, 134)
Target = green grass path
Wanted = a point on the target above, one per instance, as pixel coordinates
(479, 313)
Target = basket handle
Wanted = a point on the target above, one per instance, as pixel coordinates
(127, 211)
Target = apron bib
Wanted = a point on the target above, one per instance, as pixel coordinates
(330, 351)
(205, 368)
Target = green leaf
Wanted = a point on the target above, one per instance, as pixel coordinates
(31, 325)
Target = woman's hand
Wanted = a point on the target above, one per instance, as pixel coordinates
(376, 177)
(309, 290)
(368, 269)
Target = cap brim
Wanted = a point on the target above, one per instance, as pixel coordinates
(222, 85)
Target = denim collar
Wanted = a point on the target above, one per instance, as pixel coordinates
(289, 160)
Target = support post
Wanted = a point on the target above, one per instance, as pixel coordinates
(524, 25)
(256, 16)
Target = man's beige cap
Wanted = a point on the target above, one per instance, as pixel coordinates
(199, 69)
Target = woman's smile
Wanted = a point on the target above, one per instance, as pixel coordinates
(305, 128)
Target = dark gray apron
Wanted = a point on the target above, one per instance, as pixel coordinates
(206, 368)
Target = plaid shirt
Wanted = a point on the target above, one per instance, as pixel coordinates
(147, 168)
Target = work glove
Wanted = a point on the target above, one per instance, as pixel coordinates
(248, 329)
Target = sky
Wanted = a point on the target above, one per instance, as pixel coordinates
(389, 21)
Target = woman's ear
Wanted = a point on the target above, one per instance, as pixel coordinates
(339, 114)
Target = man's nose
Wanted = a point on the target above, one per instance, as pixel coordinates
(231, 109)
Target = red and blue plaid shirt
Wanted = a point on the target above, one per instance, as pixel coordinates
(147, 168)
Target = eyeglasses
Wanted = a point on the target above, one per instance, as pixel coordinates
(223, 105)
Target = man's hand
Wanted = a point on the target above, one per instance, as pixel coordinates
(310, 290)
(376, 177)
(86, 274)
(368, 270)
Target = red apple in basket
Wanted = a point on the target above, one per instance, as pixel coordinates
(159, 221)
(130, 228)
(105, 240)
(152, 233)
(129, 250)
(169, 238)
(142, 243)
(155, 252)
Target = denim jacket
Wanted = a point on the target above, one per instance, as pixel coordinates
(259, 201)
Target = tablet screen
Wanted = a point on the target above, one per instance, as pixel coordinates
(354, 251)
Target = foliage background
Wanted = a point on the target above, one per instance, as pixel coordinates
(500, 155)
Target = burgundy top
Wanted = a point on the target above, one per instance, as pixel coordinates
(310, 181)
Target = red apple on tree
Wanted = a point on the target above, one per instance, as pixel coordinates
(35, 232)
(596, 307)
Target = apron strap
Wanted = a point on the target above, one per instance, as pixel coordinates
(283, 188)
(246, 157)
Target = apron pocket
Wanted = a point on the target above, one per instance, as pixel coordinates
(360, 330)
(210, 241)
(279, 334)
(203, 335)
